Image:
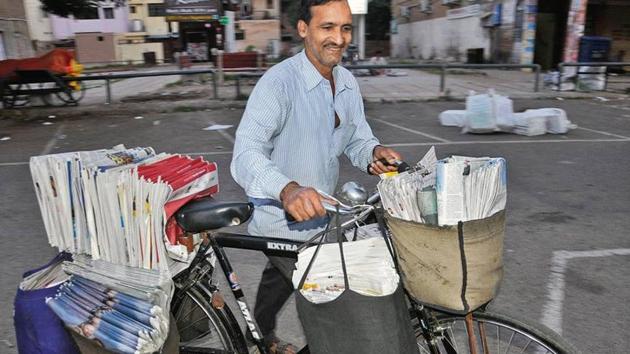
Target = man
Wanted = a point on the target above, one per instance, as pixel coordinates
(302, 115)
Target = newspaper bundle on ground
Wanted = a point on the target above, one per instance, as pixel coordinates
(368, 262)
(491, 112)
(447, 191)
(114, 204)
(125, 309)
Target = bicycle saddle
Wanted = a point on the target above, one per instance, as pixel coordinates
(206, 214)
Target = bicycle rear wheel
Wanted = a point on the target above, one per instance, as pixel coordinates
(493, 333)
(204, 329)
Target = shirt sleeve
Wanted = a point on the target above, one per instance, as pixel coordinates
(361, 146)
(263, 119)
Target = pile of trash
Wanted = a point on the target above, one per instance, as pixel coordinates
(491, 112)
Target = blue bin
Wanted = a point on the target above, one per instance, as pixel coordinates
(594, 49)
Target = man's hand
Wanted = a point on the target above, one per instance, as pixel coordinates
(387, 154)
(303, 203)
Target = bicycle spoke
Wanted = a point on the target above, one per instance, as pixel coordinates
(195, 322)
(510, 343)
(525, 347)
(187, 313)
(498, 339)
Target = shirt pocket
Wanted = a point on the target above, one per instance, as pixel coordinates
(343, 135)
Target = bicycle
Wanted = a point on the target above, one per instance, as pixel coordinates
(207, 325)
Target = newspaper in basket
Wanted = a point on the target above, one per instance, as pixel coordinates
(454, 268)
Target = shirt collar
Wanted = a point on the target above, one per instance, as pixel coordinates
(312, 77)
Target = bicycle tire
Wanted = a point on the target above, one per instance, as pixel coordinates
(505, 333)
(204, 329)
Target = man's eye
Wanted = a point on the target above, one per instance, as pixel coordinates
(347, 28)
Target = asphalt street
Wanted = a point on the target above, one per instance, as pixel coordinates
(567, 249)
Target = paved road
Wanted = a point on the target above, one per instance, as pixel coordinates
(567, 240)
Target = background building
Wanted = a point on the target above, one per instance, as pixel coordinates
(15, 40)
(39, 26)
(545, 32)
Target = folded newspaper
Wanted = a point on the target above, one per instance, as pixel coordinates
(115, 204)
(124, 309)
(447, 191)
(369, 265)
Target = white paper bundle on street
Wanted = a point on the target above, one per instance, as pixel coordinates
(411, 195)
(470, 188)
(369, 265)
(125, 309)
(453, 118)
(114, 204)
(541, 121)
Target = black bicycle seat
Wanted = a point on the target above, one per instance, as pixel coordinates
(207, 214)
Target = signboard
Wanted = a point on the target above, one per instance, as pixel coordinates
(177, 10)
(467, 11)
(358, 7)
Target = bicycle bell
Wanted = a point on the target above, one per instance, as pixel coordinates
(352, 193)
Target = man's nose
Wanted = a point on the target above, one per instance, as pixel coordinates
(338, 38)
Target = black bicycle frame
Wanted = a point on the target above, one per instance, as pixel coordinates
(269, 246)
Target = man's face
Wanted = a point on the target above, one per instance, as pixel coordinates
(328, 34)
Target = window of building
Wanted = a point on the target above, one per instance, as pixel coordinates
(108, 12)
(91, 13)
(132, 9)
(157, 10)
(3, 53)
(270, 4)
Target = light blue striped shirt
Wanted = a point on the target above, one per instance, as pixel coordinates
(288, 133)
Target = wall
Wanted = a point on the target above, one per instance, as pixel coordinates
(90, 49)
(440, 39)
(14, 31)
(259, 33)
(261, 11)
(39, 27)
(64, 28)
(153, 25)
(135, 51)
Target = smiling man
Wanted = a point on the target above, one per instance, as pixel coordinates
(303, 114)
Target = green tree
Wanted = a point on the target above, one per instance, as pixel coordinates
(77, 8)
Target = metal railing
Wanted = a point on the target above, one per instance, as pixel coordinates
(561, 67)
(238, 74)
(108, 78)
(444, 69)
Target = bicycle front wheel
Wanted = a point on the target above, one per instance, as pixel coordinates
(492, 333)
(204, 329)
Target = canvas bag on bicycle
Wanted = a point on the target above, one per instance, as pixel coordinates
(454, 268)
(355, 323)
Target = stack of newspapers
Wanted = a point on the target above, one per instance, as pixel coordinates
(114, 204)
(110, 209)
(124, 309)
(445, 192)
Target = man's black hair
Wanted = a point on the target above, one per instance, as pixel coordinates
(305, 8)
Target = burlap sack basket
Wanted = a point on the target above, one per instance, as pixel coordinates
(451, 268)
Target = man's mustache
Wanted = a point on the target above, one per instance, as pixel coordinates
(333, 45)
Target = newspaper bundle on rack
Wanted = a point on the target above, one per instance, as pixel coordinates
(114, 204)
(411, 195)
(369, 265)
(470, 188)
(123, 308)
(447, 191)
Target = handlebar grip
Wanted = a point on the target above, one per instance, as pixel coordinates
(402, 165)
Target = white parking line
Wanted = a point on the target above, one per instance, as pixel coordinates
(552, 310)
(472, 142)
(51, 143)
(410, 130)
(604, 133)
(3, 164)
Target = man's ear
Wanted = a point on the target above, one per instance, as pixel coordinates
(302, 28)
